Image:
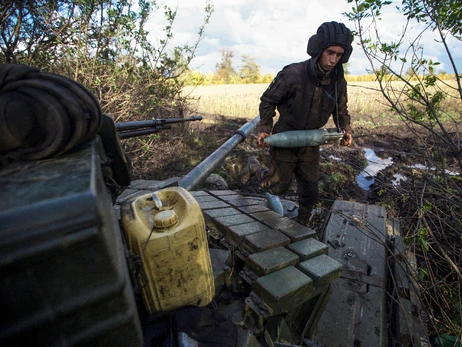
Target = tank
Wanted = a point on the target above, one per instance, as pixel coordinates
(63, 258)
(166, 230)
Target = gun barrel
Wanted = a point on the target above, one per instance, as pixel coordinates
(304, 138)
(124, 126)
(139, 132)
(200, 173)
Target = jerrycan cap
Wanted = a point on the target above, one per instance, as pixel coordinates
(165, 219)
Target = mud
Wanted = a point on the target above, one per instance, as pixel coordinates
(175, 152)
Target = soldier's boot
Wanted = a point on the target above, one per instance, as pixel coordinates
(249, 170)
(305, 219)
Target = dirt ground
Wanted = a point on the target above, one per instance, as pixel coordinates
(177, 151)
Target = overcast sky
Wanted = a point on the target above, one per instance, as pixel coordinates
(276, 32)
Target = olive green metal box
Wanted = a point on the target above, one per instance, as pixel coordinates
(284, 290)
(64, 278)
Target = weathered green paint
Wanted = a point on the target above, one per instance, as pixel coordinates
(269, 261)
(308, 248)
(292, 229)
(284, 290)
(264, 240)
(237, 232)
(322, 269)
(222, 212)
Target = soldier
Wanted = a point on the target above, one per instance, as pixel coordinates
(305, 94)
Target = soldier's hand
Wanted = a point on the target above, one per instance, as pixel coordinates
(261, 137)
(347, 139)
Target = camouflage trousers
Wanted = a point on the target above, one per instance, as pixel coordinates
(279, 177)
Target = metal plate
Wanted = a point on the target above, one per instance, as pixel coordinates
(356, 312)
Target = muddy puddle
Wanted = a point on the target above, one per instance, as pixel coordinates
(375, 164)
(365, 179)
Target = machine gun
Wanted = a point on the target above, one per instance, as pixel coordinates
(146, 127)
(119, 163)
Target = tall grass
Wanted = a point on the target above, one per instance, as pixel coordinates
(233, 100)
(242, 101)
(366, 104)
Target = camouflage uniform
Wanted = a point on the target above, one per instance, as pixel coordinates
(304, 96)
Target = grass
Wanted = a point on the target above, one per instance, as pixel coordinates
(242, 101)
(366, 104)
(233, 100)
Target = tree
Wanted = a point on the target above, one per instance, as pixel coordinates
(104, 45)
(346, 68)
(224, 69)
(418, 98)
(410, 72)
(250, 70)
(423, 104)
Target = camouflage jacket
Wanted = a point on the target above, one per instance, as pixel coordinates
(304, 100)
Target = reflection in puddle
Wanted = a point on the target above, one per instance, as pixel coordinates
(375, 164)
(334, 158)
(397, 178)
(423, 167)
(366, 178)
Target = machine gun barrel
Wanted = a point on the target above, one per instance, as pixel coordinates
(200, 173)
(146, 131)
(145, 127)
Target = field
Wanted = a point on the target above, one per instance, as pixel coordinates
(366, 104)
(227, 107)
(242, 100)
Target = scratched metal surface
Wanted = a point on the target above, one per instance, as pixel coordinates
(356, 313)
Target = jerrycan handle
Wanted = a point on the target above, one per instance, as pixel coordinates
(157, 201)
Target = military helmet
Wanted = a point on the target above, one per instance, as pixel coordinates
(331, 34)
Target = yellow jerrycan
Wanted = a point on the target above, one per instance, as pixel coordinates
(167, 230)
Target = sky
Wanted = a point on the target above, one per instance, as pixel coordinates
(275, 32)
